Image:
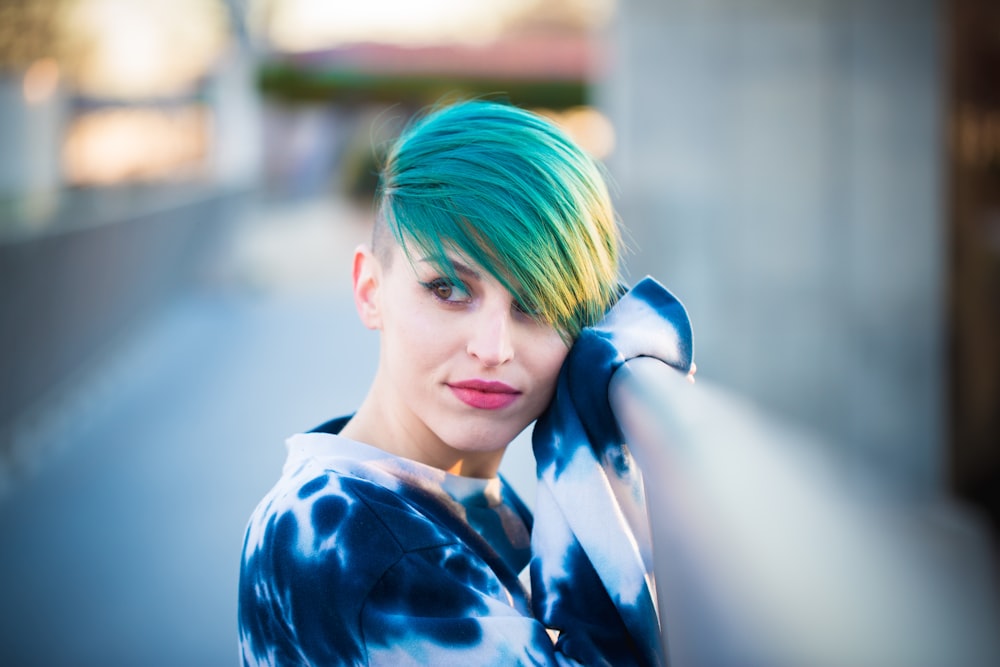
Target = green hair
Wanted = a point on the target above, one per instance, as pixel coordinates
(511, 192)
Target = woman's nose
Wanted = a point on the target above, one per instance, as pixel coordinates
(490, 341)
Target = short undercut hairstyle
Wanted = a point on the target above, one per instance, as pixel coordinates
(510, 191)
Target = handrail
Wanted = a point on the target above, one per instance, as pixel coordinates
(772, 550)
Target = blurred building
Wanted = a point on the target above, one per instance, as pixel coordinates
(818, 181)
(32, 103)
(329, 110)
(127, 140)
(104, 93)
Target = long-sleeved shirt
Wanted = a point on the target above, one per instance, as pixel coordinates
(358, 557)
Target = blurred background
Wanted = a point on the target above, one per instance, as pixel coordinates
(182, 183)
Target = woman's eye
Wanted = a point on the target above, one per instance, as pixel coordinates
(445, 290)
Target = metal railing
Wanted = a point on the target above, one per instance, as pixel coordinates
(71, 287)
(772, 549)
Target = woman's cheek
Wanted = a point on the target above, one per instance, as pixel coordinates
(551, 355)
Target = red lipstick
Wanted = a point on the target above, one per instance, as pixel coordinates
(484, 394)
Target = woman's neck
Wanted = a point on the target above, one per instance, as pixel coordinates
(373, 426)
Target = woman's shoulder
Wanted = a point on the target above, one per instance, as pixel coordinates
(321, 510)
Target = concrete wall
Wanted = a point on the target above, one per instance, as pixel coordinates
(68, 294)
(780, 168)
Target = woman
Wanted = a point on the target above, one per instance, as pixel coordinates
(390, 539)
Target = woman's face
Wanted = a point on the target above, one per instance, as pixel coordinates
(462, 370)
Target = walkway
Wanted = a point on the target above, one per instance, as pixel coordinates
(123, 548)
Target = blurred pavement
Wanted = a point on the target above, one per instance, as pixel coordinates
(122, 546)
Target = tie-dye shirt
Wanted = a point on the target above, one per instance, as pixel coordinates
(592, 545)
(358, 557)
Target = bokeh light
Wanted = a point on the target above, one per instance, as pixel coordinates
(136, 144)
(154, 48)
(305, 25)
(588, 127)
(41, 80)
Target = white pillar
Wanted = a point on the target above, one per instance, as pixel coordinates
(31, 134)
(780, 168)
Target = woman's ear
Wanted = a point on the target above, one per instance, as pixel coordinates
(367, 274)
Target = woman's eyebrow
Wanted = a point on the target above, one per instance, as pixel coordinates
(460, 268)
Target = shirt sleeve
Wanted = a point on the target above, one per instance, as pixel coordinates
(592, 553)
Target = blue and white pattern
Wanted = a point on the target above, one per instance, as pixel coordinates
(592, 570)
(358, 557)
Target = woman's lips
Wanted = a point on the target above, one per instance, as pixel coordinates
(484, 394)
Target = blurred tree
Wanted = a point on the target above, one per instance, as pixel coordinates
(29, 31)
